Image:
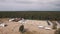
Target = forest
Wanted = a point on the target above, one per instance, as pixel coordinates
(34, 15)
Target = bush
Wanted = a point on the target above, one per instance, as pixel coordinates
(57, 31)
(21, 28)
(54, 25)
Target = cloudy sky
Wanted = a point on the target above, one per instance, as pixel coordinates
(29, 5)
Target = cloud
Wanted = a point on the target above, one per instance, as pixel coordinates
(22, 5)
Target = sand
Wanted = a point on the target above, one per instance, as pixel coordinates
(31, 27)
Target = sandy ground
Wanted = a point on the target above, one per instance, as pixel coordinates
(31, 26)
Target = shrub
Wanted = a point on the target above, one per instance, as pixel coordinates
(21, 28)
(54, 25)
(57, 31)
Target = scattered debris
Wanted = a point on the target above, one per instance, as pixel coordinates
(41, 26)
(11, 19)
(22, 21)
(3, 25)
(47, 28)
(16, 19)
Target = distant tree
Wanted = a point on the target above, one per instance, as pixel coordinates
(31, 17)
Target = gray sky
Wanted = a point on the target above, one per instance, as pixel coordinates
(29, 5)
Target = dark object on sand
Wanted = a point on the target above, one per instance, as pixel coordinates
(17, 19)
(58, 22)
(6, 25)
(48, 22)
(21, 28)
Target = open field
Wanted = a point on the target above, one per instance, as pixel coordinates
(31, 26)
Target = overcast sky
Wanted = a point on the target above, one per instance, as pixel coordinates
(29, 5)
